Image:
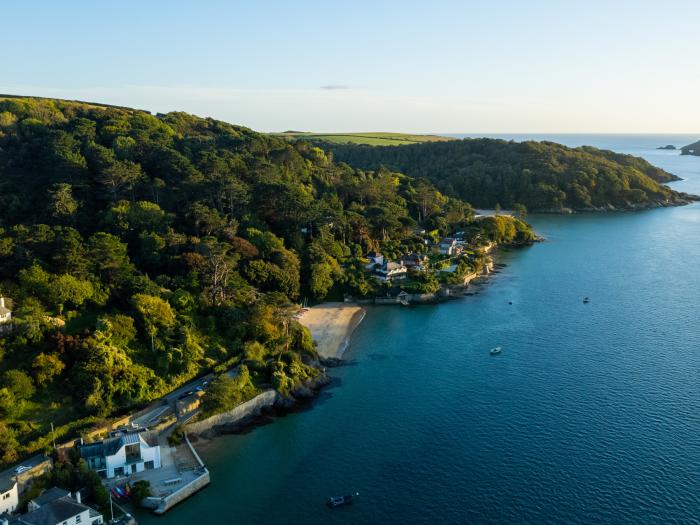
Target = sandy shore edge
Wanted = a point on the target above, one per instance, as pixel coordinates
(332, 325)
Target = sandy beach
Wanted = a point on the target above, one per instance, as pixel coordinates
(331, 325)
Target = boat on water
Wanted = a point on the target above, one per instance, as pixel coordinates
(495, 351)
(339, 501)
(586, 300)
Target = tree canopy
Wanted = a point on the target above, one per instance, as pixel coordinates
(539, 175)
(142, 250)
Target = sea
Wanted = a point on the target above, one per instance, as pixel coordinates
(589, 415)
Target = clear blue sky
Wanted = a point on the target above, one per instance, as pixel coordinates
(439, 66)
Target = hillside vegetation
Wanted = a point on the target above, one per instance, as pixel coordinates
(370, 138)
(140, 251)
(540, 175)
(691, 149)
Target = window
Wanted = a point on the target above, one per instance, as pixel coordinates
(149, 465)
(78, 518)
(133, 452)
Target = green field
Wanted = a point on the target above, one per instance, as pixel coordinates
(370, 138)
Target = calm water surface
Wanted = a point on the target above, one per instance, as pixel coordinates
(590, 415)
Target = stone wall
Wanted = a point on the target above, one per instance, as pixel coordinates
(240, 413)
(168, 502)
(26, 478)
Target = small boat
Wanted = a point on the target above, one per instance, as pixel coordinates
(496, 351)
(339, 501)
(586, 300)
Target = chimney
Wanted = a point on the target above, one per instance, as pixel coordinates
(78, 497)
(2, 302)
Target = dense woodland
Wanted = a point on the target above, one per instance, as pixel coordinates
(540, 175)
(140, 251)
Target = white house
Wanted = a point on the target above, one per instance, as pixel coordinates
(375, 258)
(417, 261)
(56, 507)
(5, 316)
(391, 271)
(124, 453)
(9, 497)
(447, 246)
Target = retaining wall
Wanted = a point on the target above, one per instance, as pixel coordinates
(163, 505)
(241, 412)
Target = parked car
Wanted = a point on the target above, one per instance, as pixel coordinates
(186, 394)
(22, 468)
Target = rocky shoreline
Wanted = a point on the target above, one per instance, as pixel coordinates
(259, 409)
(684, 200)
(264, 407)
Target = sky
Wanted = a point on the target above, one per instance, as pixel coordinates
(440, 66)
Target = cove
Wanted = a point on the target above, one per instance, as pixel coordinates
(589, 415)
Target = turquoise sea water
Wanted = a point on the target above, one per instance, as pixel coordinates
(590, 415)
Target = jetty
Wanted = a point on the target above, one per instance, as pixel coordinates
(184, 475)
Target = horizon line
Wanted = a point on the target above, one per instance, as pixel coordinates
(434, 133)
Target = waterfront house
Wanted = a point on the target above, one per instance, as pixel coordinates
(448, 246)
(417, 261)
(9, 496)
(123, 453)
(47, 497)
(394, 295)
(391, 271)
(56, 507)
(375, 259)
(5, 315)
(400, 295)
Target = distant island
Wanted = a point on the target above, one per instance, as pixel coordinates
(691, 149)
(544, 176)
(669, 147)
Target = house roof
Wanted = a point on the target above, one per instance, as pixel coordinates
(111, 446)
(414, 257)
(92, 450)
(50, 495)
(151, 438)
(107, 447)
(7, 481)
(393, 266)
(53, 513)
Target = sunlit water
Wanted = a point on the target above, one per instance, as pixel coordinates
(590, 415)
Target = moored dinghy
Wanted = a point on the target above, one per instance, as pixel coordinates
(495, 351)
(339, 501)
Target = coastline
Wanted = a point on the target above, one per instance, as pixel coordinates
(332, 325)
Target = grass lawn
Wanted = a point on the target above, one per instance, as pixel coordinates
(370, 138)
